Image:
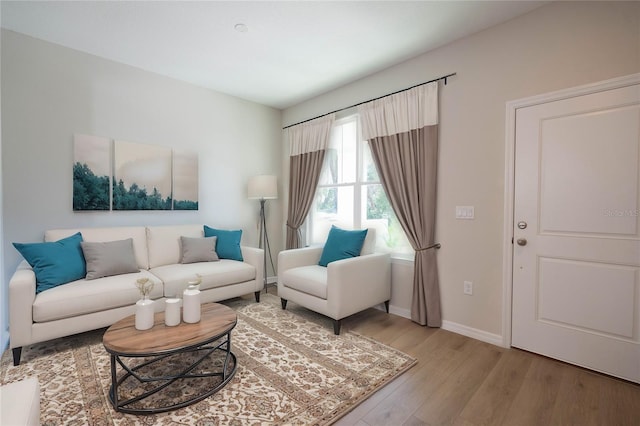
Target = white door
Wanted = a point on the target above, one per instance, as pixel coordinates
(576, 249)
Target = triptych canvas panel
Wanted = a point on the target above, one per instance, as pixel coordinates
(122, 175)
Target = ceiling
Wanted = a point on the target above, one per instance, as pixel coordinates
(291, 51)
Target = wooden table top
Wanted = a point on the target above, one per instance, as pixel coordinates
(122, 338)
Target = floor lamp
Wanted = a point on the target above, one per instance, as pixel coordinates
(263, 188)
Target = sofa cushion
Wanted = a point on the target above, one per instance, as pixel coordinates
(310, 279)
(83, 297)
(198, 249)
(228, 244)
(214, 274)
(164, 242)
(54, 263)
(137, 233)
(109, 258)
(342, 244)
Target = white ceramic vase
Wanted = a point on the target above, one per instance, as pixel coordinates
(172, 311)
(144, 314)
(191, 304)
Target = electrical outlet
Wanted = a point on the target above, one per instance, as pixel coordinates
(468, 288)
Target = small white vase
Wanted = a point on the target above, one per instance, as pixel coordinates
(144, 314)
(191, 304)
(172, 312)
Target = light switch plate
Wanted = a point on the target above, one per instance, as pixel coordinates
(465, 212)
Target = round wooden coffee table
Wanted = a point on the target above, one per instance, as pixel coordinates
(166, 368)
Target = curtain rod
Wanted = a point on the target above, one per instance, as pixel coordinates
(444, 77)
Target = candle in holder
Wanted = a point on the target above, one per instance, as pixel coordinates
(172, 311)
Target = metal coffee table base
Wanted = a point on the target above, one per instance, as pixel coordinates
(203, 350)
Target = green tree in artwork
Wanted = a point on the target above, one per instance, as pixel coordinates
(185, 205)
(137, 198)
(90, 192)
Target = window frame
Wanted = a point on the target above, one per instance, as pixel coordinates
(357, 185)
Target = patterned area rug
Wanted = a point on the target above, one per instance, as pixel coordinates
(292, 369)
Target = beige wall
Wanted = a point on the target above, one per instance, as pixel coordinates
(557, 46)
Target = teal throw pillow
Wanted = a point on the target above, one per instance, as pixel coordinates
(227, 244)
(55, 263)
(342, 244)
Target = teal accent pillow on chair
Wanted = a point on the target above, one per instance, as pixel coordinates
(55, 263)
(228, 243)
(342, 244)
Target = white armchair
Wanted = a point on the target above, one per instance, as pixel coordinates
(340, 289)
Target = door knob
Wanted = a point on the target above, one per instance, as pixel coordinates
(522, 241)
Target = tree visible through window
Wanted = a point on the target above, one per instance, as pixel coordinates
(350, 195)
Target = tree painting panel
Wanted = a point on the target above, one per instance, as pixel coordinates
(185, 180)
(91, 172)
(142, 179)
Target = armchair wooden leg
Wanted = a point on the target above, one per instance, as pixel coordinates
(386, 305)
(283, 302)
(257, 294)
(17, 352)
(336, 327)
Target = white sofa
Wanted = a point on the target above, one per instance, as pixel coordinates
(85, 305)
(340, 289)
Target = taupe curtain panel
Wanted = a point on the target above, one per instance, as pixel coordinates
(308, 143)
(402, 130)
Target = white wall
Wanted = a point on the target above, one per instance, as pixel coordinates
(4, 326)
(559, 45)
(50, 92)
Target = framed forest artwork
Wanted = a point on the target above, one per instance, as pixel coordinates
(119, 175)
(142, 177)
(91, 173)
(185, 180)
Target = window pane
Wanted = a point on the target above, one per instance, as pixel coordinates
(331, 206)
(369, 168)
(340, 159)
(377, 213)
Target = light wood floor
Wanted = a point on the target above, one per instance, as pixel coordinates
(462, 381)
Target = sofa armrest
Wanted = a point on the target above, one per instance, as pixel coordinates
(22, 294)
(255, 257)
(358, 283)
(294, 258)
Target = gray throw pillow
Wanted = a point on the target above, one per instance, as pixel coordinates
(109, 258)
(198, 249)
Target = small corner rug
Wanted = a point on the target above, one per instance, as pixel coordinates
(292, 370)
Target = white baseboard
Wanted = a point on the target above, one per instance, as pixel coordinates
(272, 280)
(474, 333)
(401, 312)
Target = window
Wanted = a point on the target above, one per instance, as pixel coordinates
(350, 196)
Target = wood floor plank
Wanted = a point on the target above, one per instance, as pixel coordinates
(490, 403)
(619, 402)
(442, 355)
(533, 404)
(455, 392)
(590, 398)
(464, 382)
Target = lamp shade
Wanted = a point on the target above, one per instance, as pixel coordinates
(264, 187)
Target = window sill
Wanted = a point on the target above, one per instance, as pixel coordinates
(402, 259)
